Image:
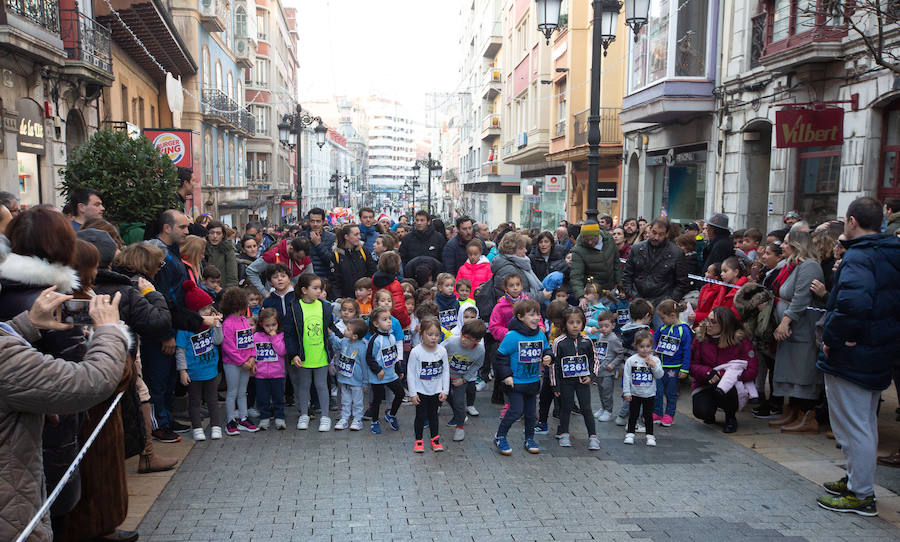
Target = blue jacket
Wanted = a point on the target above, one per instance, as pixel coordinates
(681, 333)
(448, 305)
(383, 349)
(350, 360)
(293, 330)
(864, 307)
(368, 236)
(282, 305)
(321, 254)
(521, 353)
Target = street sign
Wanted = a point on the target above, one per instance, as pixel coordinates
(607, 190)
(554, 183)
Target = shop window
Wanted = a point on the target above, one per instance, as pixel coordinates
(818, 182)
(890, 153)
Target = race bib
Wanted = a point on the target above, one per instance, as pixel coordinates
(389, 356)
(345, 365)
(668, 345)
(244, 339)
(641, 376)
(202, 343)
(529, 358)
(407, 336)
(600, 348)
(265, 353)
(574, 366)
(459, 364)
(448, 318)
(431, 369)
(623, 316)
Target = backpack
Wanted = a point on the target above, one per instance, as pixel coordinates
(486, 298)
(337, 257)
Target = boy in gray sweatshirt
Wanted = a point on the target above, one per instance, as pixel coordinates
(608, 357)
(465, 353)
(642, 370)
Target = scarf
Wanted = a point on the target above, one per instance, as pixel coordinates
(782, 277)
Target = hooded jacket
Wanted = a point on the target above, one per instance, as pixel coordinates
(423, 243)
(520, 354)
(477, 273)
(277, 254)
(382, 280)
(448, 307)
(863, 309)
(711, 296)
(600, 267)
(507, 264)
(348, 266)
(501, 316)
(656, 273)
(383, 353)
(223, 258)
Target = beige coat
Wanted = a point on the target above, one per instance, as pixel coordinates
(32, 385)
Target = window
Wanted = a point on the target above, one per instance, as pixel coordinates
(220, 163)
(240, 22)
(218, 75)
(797, 17)
(239, 168)
(890, 153)
(229, 88)
(125, 116)
(153, 121)
(207, 159)
(239, 95)
(650, 53)
(232, 161)
(205, 67)
(262, 72)
(818, 181)
(134, 112)
(140, 112)
(262, 25)
(262, 119)
(690, 38)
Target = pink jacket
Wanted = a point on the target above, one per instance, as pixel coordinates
(231, 354)
(501, 316)
(477, 273)
(271, 369)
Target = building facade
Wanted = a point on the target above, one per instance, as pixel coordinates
(326, 171)
(391, 150)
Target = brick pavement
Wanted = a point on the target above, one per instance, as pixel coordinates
(308, 486)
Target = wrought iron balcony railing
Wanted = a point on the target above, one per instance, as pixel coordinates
(43, 13)
(86, 39)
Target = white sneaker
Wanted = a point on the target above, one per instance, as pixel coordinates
(471, 410)
(459, 434)
(640, 428)
(325, 424)
(598, 413)
(198, 434)
(216, 432)
(629, 438)
(303, 423)
(264, 424)
(651, 440)
(356, 425)
(341, 424)
(280, 425)
(481, 385)
(605, 416)
(252, 412)
(620, 421)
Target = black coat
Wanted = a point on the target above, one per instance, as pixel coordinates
(455, 253)
(716, 251)
(655, 273)
(147, 316)
(556, 261)
(435, 267)
(423, 243)
(347, 267)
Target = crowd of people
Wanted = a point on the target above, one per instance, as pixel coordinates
(800, 322)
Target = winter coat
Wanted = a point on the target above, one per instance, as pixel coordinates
(383, 280)
(147, 316)
(476, 273)
(423, 243)
(321, 253)
(755, 306)
(893, 224)
(520, 354)
(501, 316)
(368, 235)
(656, 273)
(454, 254)
(862, 309)
(716, 251)
(434, 267)
(168, 281)
(728, 299)
(348, 266)
(223, 258)
(795, 359)
(243, 262)
(544, 265)
(711, 296)
(33, 385)
(706, 356)
(507, 264)
(600, 267)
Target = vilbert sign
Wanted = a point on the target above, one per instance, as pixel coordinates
(809, 128)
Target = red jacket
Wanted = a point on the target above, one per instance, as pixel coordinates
(477, 273)
(706, 354)
(728, 300)
(279, 254)
(711, 296)
(383, 280)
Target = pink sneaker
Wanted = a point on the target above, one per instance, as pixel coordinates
(245, 425)
(657, 418)
(667, 421)
(503, 411)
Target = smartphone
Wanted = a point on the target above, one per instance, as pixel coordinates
(76, 312)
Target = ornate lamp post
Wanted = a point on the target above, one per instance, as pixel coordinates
(289, 130)
(431, 165)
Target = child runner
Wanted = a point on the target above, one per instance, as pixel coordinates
(463, 291)
(428, 380)
(238, 359)
(639, 386)
(446, 300)
(269, 339)
(382, 357)
(363, 290)
(672, 343)
(352, 374)
(641, 314)
(466, 356)
(570, 375)
(608, 357)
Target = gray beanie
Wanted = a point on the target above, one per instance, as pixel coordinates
(104, 243)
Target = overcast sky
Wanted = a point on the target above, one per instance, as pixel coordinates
(399, 49)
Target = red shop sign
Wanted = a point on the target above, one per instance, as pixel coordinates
(176, 144)
(809, 128)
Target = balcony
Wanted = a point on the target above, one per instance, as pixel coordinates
(610, 127)
(491, 39)
(88, 45)
(491, 86)
(490, 168)
(213, 15)
(222, 111)
(797, 34)
(243, 52)
(490, 126)
(31, 28)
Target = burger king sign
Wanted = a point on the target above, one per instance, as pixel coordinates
(176, 144)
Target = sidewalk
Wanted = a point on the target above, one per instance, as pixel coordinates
(143, 489)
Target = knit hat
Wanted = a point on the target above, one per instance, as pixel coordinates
(590, 229)
(104, 243)
(790, 214)
(194, 296)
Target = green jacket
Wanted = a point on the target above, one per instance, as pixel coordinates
(602, 267)
(222, 256)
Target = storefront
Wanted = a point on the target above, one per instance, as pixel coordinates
(676, 183)
(543, 202)
(30, 152)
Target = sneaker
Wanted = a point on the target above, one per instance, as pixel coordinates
(375, 428)
(472, 411)
(280, 425)
(198, 434)
(264, 424)
(325, 424)
(565, 441)
(419, 446)
(504, 410)
(532, 446)
(765, 412)
(598, 412)
(502, 445)
(667, 421)
(730, 425)
(392, 420)
(231, 428)
(849, 503)
(252, 412)
(246, 425)
(640, 428)
(605, 416)
(657, 419)
(303, 423)
(558, 434)
(837, 488)
(480, 385)
(629, 438)
(356, 425)
(459, 434)
(620, 421)
(215, 433)
(341, 424)
(651, 440)
(540, 428)
(164, 434)
(594, 443)
(436, 445)
(178, 427)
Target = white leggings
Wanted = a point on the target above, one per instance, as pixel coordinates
(236, 379)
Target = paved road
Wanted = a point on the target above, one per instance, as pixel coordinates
(341, 486)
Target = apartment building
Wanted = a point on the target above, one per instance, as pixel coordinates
(391, 149)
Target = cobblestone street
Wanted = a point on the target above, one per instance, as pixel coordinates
(304, 485)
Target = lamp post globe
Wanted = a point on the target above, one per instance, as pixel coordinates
(284, 129)
(548, 16)
(320, 131)
(609, 20)
(636, 14)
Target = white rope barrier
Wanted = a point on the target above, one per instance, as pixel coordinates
(68, 474)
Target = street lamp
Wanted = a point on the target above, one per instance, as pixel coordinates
(606, 13)
(410, 186)
(289, 130)
(431, 165)
(336, 181)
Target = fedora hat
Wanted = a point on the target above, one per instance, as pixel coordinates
(720, 221)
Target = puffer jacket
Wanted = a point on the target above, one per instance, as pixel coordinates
(223, 258)
(147, 316)
(348, 266)
(556, 261)
(600, 267)
(862, 309)
(656, 273)
(383, 280)
(423, 243)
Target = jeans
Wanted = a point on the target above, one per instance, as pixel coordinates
(427, 408)
(667, 389)
(567, 392)
(159, 375)
(270, 398)
(236, 379)
(319, 376)
(351, 402)
(457, 398)
(198, 391)
(522, 400)
(635, 406)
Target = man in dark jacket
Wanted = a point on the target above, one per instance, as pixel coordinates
(423, 241)
(861, 336)
(322, 242)
(720, 245)
(455, 249)
(656, 268)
